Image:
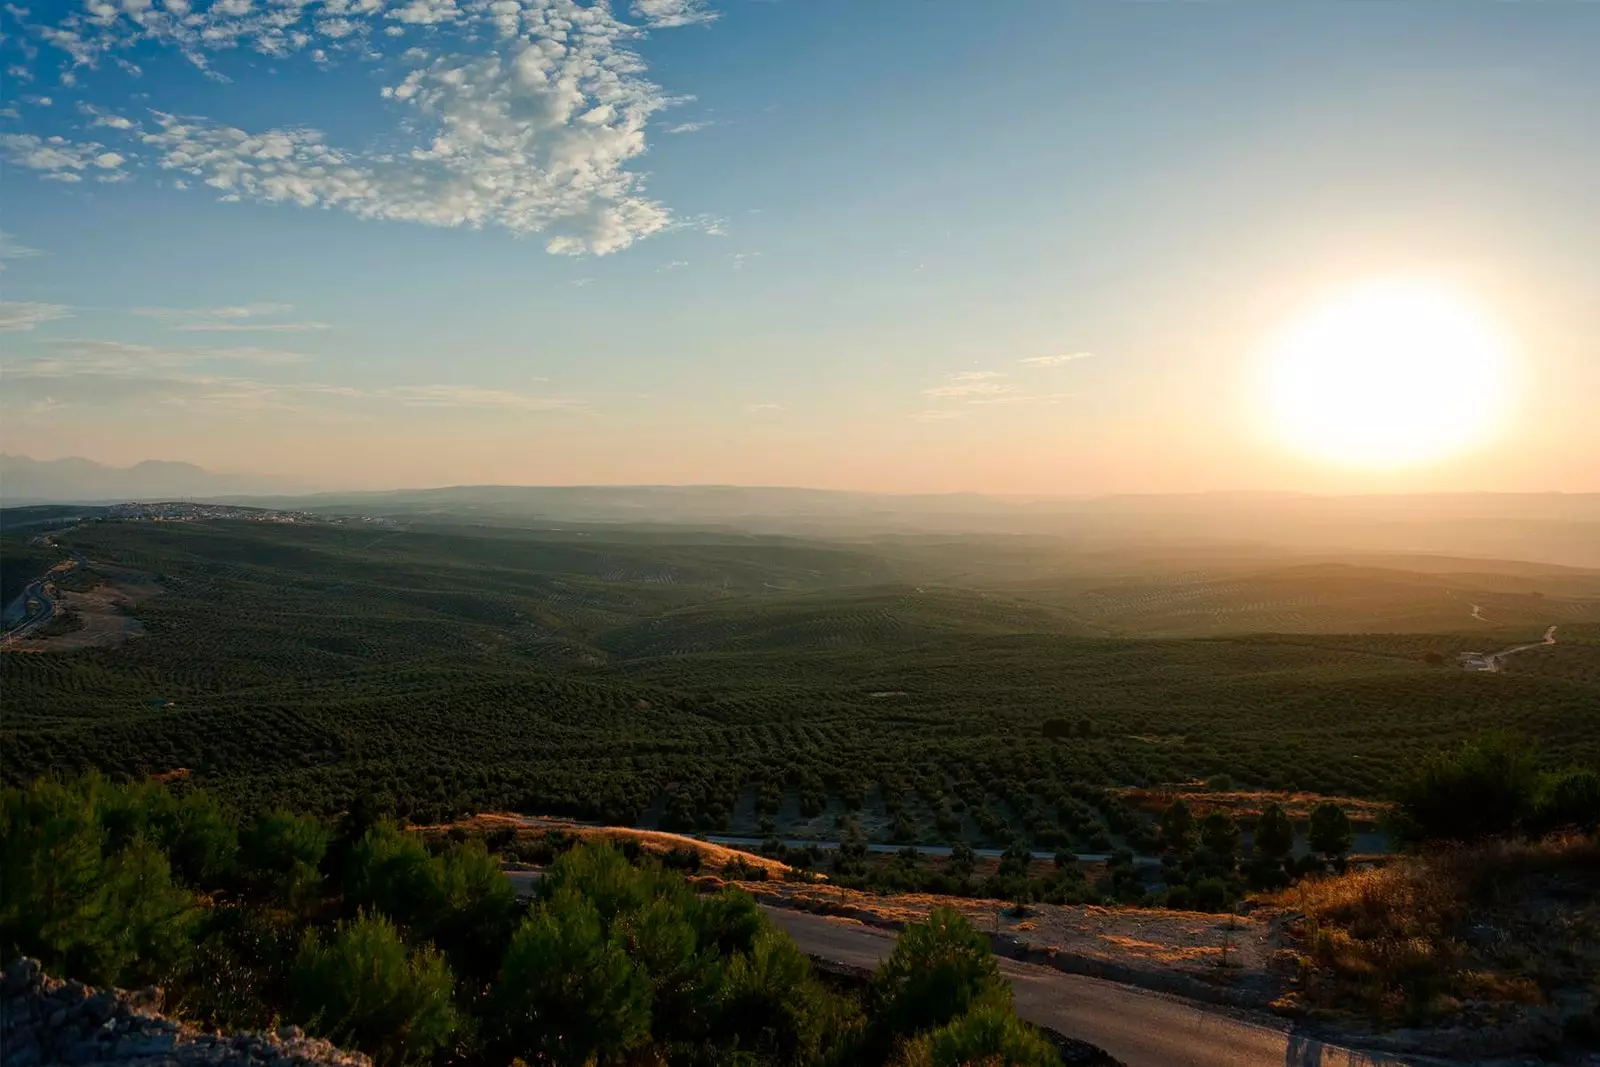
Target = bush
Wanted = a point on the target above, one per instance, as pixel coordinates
(1177, 827)
(280, 852)
(99, 911)
(989, 1036)
(364, 989)
(1220, 834)
(1570, 800)
(1485, 788)
(1330, 834)
(939, 969)
(567, 991)
(1274, 833)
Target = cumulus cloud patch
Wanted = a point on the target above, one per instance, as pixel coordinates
(536, 136)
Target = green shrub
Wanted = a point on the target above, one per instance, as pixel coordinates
(100, 912)
(1274, 833)
(567, 991)
(1484, 788)
(1330, 834)
(989, 1036)
(939, 969)
(280, 852)
(365, 989)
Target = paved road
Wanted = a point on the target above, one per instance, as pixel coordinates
(36, 591)
(1140, 1028)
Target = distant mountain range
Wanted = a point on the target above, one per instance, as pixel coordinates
(81, 481)
(1561, 528)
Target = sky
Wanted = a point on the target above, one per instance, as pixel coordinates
(910, 245)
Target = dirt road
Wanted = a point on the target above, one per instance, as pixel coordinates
(1140, 1028)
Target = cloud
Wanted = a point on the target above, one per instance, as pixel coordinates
(675, 264)
(59, 159)
(11, 248)
(26, 314)
(971, 384)
(1052, 361)
(466, 396)
(764, 406)
(689, 127)
(665, 14)
(114, 374)
(231, 319)
(70, 356)
(535, 137)
(256, 327)
(979, 388)
(233, 311)
(739, 259)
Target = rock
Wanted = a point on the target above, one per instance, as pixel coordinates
(73, 991)
(101, 1006)
(21, 976)
(57, 1018)
(82, 1052)
(291, 1033)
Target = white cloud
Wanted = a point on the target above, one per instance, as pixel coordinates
(232, 311)
(676, 264)
(27, 314)
(664, 14)
(466, 396)
(978, 388)
(56, 157)
(251, 327)
(237, 318)
(117, 374)
(766, 406)
(1052, 361)
(536, 137)
(10, 248)
(971, 384)
(689, 127)
(70, 356)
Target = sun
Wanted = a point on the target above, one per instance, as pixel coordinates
(1388, 373)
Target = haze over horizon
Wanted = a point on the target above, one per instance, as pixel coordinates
(1064, 249)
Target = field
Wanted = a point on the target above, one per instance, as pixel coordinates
(921, 688)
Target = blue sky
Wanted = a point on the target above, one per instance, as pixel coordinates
(898, 244)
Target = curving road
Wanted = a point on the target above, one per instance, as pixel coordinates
(1140, 1028)
(1496, 660)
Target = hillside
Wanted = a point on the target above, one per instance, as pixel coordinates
(696, 680)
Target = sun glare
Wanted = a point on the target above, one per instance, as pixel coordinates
(1390, 373)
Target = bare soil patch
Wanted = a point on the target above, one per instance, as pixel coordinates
(101, 599)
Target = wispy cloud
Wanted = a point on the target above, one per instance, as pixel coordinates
(971, 384)
(689, 127)
(977, 388)
(676, 264)
(237, 318)
(11, 248)
(28, 314)
(1052, 361)
(766, 405)
(252, 327)
(113, 374)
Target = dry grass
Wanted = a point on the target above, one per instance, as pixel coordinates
(1247, 804)
(1478, 933)
(713, 857)
(1143, 939)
